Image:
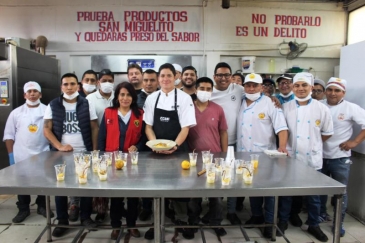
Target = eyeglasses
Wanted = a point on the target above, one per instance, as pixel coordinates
(317, 91)
(268, 85)
(225, 75)
(282, 83)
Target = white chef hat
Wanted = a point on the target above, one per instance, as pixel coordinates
(31, 85)
(304, 77)
(338, 82)
(177, 67)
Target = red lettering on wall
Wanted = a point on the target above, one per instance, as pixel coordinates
(109, 26)
(260, 31)
(241, 31)
(258, 18)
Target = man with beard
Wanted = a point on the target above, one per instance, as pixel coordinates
(188, 80)
(135, 77)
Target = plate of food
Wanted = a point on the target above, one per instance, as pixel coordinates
(160, 144)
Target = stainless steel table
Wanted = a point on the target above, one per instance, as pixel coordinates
(160, 176)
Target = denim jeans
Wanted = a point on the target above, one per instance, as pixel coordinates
(75, 201)
(256, 204)
(24, 201)
(231, 204)
(62, 207)
(284, 210)
(339, 170)
(313, 207)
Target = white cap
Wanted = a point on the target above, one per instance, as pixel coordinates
(304, 77)
(31, 85)
(339, 83)
(253, 77)
(320, 82)
(177, 67)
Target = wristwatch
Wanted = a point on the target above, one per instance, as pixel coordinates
(177, 146)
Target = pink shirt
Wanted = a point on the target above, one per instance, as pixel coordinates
(205, 135)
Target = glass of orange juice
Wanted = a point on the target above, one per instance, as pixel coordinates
(60, 172)
(255, 160)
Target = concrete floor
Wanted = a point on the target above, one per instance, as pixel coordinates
(29, 230)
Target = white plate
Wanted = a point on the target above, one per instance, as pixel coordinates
(274, 153)
(152, 143)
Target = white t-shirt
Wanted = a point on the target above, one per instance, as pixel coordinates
(71, 131)
(185, 107)
(99, 103)
(344, 115)
(256, 125)
(306, 125)
(230, 100)
(25, 127)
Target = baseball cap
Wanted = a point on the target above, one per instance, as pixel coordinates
(31, 85)
(304, 77)
(268, 80)
(253, 77)
(177, 67)
(284, 76)
(320, 82)
(338, 82)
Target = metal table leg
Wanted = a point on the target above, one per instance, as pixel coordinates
(275, 222)
(157, 219)
(337, 219)
(48, 209)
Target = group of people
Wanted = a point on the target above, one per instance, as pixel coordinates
(196, 113)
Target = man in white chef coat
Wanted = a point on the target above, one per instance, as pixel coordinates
(337, 149)
(23, 137)
(310, 124)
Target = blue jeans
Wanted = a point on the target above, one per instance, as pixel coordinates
(313, 207)
(339, 170)
(256, 207)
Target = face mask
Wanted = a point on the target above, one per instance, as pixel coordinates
(71, 97)
(203, 96)
(177, 81)
(303, 99)
(286, 96)
(89, 87)
(107, 87)
(32, 103)
(254, 96)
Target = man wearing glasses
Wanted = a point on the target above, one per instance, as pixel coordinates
(318, 89)
(229, 96)
(285, 85)
(268, 87)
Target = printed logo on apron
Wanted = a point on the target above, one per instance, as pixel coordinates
(261, 116)
(318, 122)
(164, 119)
(136, 123)
(341, 117)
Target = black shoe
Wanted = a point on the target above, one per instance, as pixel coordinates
(232, 217)
(318, 233)
(282, 226)
(145, 215)
(255, 220)
(74, 213)
(42, 211)
(188, 233)
(89, 223)
(267, 232)
(21, 216)
(220, 231)
(58, 231)
(100, 217)
(150, 234)
(295, 220)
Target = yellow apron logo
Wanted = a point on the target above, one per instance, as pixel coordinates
(136, 123)
(252, 76)
(318, 122)
(262, 116)
(33, 128)
(338, 80)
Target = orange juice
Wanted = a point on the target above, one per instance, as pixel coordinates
(60, 176)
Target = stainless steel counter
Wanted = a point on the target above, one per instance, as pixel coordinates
(158, 175)
(161, 176)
